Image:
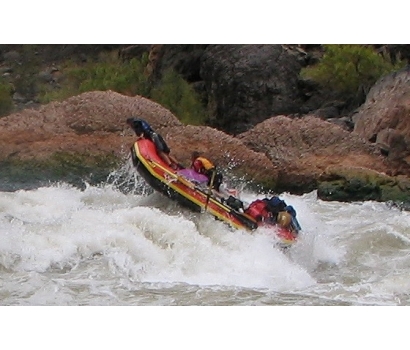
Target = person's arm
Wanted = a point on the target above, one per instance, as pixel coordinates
(175, 161)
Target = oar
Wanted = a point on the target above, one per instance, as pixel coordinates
(210, 189)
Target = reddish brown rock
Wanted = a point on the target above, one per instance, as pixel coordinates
(303, 149)
(280, 153)
(92, 122)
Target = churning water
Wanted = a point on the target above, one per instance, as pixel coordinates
(61, 245)
(122, 244)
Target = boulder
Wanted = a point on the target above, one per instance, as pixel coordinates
(384, 119)
(90, 127)
(249, 83)
(303, 148)
(87, 134)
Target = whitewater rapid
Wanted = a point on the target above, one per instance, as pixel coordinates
(61, 245)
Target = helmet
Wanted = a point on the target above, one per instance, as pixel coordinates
(284, 219)
(139, 125)
(135, 124)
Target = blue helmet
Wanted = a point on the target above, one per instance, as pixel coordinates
(139, 125)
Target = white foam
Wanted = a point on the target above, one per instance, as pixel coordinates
(99, 243)
(60, 227)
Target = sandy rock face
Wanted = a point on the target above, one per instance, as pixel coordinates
(303, 149)
(281, 153)
(91, 122)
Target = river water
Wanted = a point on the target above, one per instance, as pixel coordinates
(103, 245)
(100, 245)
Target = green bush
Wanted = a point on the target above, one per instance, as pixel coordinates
(106, 74)
(6, 101)
(123, 77)
(350, 69)
(179, 97)
(129, 78)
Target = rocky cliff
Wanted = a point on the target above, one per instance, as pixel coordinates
(279, 149)
(281, 154)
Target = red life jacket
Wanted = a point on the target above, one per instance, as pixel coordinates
(257, 210)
